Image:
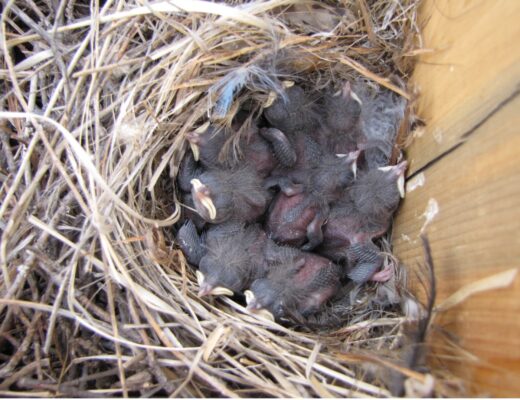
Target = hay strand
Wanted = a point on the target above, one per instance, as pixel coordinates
(96, 300)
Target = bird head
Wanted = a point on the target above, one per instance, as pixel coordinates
(194, 139)
(212, 200)
(265, 298)
(291, 111)
(343, 108)
(395, 173)
(350, 161)
(206, 144)
(224, 269)
(203, 201)
(209, 287)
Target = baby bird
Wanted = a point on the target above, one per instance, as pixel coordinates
(294, 114)
(341, 131)
(234, 194)
(293, 219)
(191, 244)
(189, 211)
(297, 117)
(296, 286)
(188, 170)
(230, 256)
(380, 119)
(362, 214)
(300, 209)
(261, 149)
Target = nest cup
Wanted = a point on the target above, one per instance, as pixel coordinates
(96, 297)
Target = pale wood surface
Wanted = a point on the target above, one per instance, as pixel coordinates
(475, 65)
(476, 232)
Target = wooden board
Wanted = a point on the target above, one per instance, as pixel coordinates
(474, 234)
(469, 163)
(475, 65)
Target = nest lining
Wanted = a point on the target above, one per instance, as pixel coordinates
(96, 298)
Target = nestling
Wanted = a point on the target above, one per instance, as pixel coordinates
(341, 131)
(302, 206)
(257, 148)
(296, 287)
(230, 194)
(362, 214)
(230, 256)
(294, 114)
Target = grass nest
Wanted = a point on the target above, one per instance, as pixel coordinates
(96, 100)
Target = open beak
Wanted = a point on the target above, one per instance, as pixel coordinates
(206, 289)
(351, 157)
(399, 170)
(346, 91)
(252, 303)
(354, 157)
(193, 138)
(200, 277)
(400, 186)
(270, 99)
(254, 306)
(355, 97)
(195, 149)
(201, 193)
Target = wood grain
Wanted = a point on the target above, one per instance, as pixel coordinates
(468, 161)
(474, 66)
(475, 234)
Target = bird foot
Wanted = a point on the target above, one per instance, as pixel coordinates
(384, 275)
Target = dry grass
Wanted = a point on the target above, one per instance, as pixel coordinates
(96, 300)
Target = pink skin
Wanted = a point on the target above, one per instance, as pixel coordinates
(314, 265)
(341, 234)
(302, 286)
(384, 275)
(285, 224)
(346, 232)
(257, 152)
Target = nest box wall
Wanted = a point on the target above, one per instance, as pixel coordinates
(465, 186)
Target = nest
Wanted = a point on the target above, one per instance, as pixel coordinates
(96, 101)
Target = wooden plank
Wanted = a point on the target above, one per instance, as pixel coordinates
(474, 67)
(487, 324)
(474, 234)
